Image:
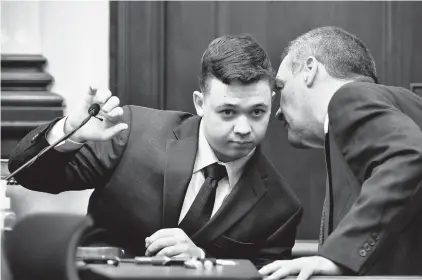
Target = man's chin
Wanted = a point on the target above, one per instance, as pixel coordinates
(233, 155)
(297, 143)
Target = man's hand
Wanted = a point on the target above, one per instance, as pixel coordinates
(303, 267)
(94, 129)
(171, 242)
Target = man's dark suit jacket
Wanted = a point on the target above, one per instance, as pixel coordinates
(140, 179)
(375, 195)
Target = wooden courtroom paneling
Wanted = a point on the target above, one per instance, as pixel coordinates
(404, 56)
(26, 100)
(137, 51)
(156, 49)
(190, 28)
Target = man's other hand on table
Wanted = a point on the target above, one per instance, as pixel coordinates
(172, 242)
(303, 267)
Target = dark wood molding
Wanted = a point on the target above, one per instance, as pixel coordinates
(387, 37)
(416, 88)
(14, 80)
(35, 98)
(29, 113)
(115, 87)
(26, 101)
(20, 72)
(161, 55)
(22, 61)
(143, 69)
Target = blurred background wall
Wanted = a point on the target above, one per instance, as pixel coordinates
(149, 54)
(72, 35)
(73, 38)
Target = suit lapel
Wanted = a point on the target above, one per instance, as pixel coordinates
(342, 180)
(339, 178)
(180, 158)
(247, 192)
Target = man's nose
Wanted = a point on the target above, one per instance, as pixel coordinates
(242, 126)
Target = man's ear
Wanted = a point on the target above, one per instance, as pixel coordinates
(198, 101)
(311, 70)
(272, 96)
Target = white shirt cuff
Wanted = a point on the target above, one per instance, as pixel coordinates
(202, 254)
(326, 124)
(56, 132)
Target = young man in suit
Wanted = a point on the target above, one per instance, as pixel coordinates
(372, 217)
(172, 183)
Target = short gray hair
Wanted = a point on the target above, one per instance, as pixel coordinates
(343, 54)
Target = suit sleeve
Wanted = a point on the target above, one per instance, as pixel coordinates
(55, 172)
(383, 148)
(278, 246)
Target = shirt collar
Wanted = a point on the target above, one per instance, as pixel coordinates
(205, 156)
(326, 122)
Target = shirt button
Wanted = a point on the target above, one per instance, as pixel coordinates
(371, 241)
(367, 247)
(362, 253)
(375, 236)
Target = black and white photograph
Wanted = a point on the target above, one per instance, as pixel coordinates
(226, 140)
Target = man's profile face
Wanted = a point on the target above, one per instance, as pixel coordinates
(295, 104)
(235, 117)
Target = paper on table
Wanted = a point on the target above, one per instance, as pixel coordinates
(225, 262)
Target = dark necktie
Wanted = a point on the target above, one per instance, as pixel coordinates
(201, 209)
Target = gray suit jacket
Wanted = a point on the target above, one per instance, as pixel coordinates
(140, 178)
(375, 193)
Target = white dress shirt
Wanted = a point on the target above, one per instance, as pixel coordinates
(56, 132)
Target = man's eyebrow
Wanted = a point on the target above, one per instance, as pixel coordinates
(225, 105)
(228, 105)
(260, 105)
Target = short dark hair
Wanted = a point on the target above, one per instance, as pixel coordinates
(235, 58)
(343, 54)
